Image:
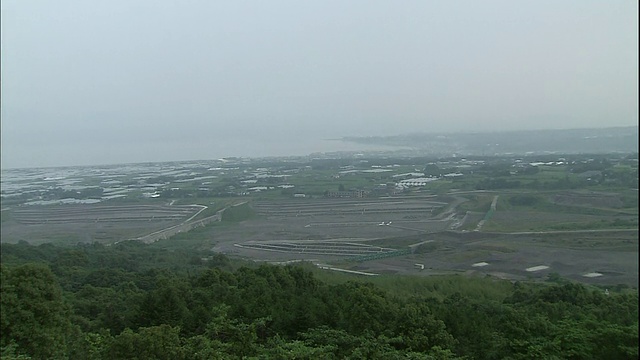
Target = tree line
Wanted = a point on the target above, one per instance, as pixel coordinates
(135, 301)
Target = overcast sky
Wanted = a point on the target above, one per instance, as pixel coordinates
(118, 81)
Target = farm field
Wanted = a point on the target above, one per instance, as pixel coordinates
(330, 219)
(605, 257)
(354, 235)
(90, 222)
(417, 234)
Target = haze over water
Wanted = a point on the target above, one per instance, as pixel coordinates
(120, 81)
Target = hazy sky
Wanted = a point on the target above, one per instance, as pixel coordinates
(95, 82)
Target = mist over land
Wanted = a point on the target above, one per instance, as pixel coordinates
(568, 141)
(571, 141)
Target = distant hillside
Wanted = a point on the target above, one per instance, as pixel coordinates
(616, 139)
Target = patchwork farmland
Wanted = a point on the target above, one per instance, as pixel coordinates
(417, 235)
(91, 222)
(332, 228)
(66, 214)
(508, 217)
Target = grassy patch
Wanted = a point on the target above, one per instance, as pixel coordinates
(436, 286)
(200, 238)
(237, 213)
(477, 203)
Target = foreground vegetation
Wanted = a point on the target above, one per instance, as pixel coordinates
(134, 301)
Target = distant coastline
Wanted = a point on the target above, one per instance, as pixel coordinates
(591, 140)
(571, 141)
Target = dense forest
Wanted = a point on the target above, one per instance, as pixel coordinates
(136, 301)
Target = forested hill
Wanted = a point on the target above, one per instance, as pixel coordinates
(135, 301)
